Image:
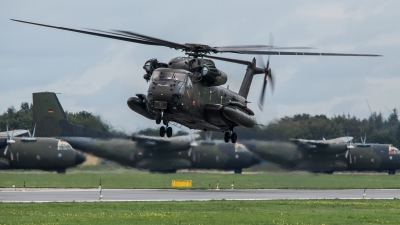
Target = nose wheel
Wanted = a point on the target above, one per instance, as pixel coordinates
(158, 118)
(164, 129)
(232, 136)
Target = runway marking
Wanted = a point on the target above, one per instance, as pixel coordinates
(199, 200)
(161, 195)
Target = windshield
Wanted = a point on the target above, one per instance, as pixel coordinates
(162, 75)
(63, 145)
(180, 76)
(168, 76)
(393, 151)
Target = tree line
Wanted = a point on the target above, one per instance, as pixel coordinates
(376, 128)
(23, 119)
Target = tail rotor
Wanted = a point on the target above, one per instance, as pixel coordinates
(267, 74)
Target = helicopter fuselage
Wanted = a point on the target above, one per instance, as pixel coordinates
(181, 92)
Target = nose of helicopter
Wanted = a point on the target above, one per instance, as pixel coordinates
(166, 92)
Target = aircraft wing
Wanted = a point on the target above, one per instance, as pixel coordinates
(310, 143)
(341, 140)
(149, 140)
(321, 143)
(179, 143)
(14, 133)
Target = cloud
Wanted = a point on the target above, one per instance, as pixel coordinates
(382, 40)
(115, 66)
(331, 11)
(99, 75)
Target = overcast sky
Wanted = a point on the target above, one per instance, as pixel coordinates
(99, 75)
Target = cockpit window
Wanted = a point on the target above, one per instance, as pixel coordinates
(180, 76)
(162, 75)
(63, 145)
(393, 151)
(188, 83)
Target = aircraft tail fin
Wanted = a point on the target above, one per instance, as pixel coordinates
(51, 120)
(252, 70)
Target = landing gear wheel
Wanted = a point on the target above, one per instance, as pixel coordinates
(158, 118)
(233, 137)
(391, 172)
(169, 131)
(237, 171)
(162, 131)
(227, 137)
(165, 120)
(61, 170)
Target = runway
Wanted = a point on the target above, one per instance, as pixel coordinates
(90, 195)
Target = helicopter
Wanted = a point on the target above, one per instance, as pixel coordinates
(188, 89)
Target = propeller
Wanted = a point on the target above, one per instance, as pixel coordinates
(364, 140)
(349, 147)
(193, 143)
(9, 142)
(33, 134)
(267, 74)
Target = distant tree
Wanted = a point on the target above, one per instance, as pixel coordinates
(21, 119)
(86, 119)
(148, 132)
(305, 126)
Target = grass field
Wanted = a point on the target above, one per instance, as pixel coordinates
(120, 177)
(209, 212)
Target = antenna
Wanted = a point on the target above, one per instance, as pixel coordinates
(370, 111)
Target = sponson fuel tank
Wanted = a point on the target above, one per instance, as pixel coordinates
(239, 117)
(138, 105)
(217, 114)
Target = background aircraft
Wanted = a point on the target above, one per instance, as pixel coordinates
(36, 153)
(328, 156)
(151, 153)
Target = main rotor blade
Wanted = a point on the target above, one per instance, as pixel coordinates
(131, 39)
(105, 34)
(156, 40)
(296, 53)
(147, 40)
(238, 61)
(257, 70)
(254, 47)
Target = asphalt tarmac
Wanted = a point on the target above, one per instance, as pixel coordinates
(90, 195)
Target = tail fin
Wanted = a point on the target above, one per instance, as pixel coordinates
(252, 70)
(51, 120)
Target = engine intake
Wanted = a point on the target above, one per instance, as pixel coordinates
(212, 76)
(150, 65)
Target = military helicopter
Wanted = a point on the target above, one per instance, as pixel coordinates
(188, 90)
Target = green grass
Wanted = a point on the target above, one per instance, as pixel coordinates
(208, 212)
(120, 177)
